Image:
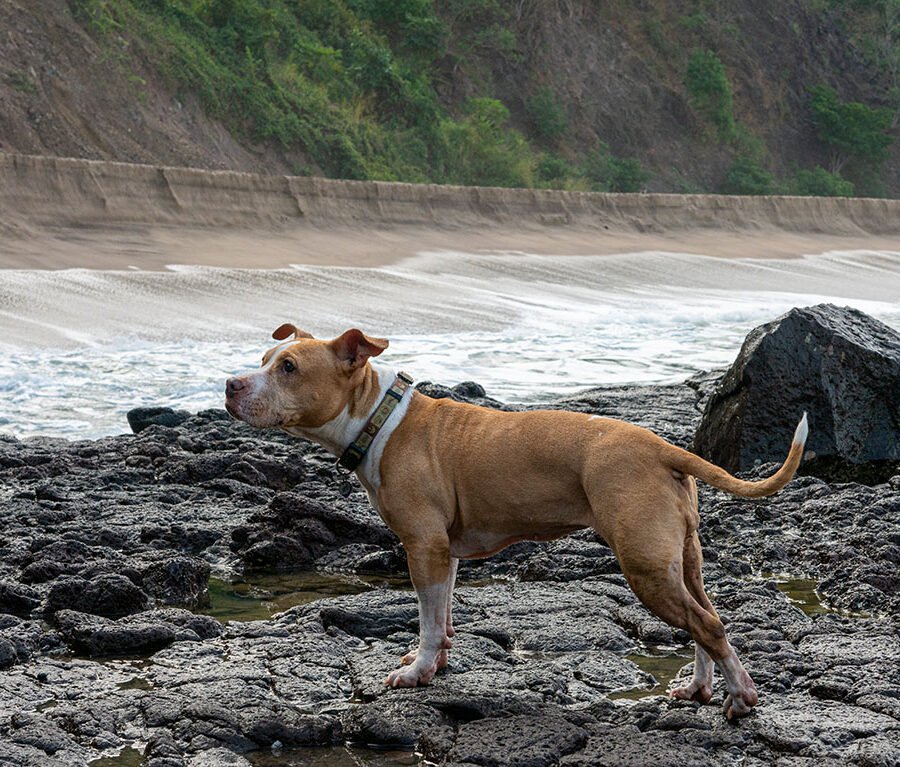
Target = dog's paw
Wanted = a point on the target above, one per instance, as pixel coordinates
(697, 690)
(740, 703)
(442, 660)
(410, 676)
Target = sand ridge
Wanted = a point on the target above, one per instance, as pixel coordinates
(67, 213)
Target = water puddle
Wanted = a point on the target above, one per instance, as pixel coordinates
(662, 667)
(259, 596)
(338, 756)
(127, 757)
(803, 593)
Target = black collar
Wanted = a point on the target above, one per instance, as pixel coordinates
(356, 451)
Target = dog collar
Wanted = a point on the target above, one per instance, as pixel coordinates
(356, 451)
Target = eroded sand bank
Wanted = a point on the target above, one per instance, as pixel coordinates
(63, 213)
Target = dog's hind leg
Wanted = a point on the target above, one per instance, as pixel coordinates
(432, 574)
(655, 571)
(700, 686)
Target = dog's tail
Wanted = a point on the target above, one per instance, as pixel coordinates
(688, 463)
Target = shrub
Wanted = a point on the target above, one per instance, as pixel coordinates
(607, 173)
(555, 172)
(480, 151)
(547, 117)
(819, 182)
(710, 92)
(747, 176)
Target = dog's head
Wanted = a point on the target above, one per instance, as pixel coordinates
(303, 382)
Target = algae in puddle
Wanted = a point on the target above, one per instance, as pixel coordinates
(259, 596)
(127, 757)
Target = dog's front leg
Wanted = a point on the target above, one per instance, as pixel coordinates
(444, 656)
(432, 574)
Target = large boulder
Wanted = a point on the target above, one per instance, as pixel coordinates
(836, 363)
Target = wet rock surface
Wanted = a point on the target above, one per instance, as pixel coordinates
(553, 658)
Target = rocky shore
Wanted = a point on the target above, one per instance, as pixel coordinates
(105, 648)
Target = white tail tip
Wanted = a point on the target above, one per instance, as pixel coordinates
(802, 431)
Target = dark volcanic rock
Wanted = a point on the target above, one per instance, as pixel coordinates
(94, 635)
(519, 741)
(838, 364)
(140, 418)
(177, 580)
(111, 595)
(297, 530)
(549, 671)
(18, 599)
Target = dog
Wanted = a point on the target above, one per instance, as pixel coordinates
(456, 481)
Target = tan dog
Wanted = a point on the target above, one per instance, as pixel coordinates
(456, 481)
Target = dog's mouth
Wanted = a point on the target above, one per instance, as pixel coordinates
(232, 411)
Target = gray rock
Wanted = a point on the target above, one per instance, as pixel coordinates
(17, 598)
(97, 636)
(110, 595)
(629, 747)
(392, 720)
(8, 654)
(838, 364)
(177, 580)
(516, 741)
(140, 418)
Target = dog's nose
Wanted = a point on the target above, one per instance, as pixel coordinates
(233, 385)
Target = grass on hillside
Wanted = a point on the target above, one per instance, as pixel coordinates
(352, 87)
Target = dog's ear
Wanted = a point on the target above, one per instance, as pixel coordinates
(354, 347)
(283, 331)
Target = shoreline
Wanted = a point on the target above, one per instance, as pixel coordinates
(58, 213)
(158, 248)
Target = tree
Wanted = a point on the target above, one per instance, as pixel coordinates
(850, 129)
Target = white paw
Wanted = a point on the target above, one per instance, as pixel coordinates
(741, 702)
(698, 690)
(411, 676)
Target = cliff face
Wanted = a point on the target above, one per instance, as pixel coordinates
(619, 71)
(84, 79)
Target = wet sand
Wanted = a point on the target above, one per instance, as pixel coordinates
(155, 248)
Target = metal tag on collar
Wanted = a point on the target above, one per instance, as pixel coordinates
(345, 486)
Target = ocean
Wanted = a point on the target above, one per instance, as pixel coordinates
(79, 348)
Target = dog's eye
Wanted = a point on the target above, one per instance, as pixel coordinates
(288, 367)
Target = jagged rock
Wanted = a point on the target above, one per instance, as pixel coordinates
(18, 599)
(178, 580)
(140, 418)
(111, 595)
(838, 364)
(94, 635)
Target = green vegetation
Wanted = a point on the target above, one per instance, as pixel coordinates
(453, 92)
(481, 151)
(547, 117)
(747, 176)
(819, 182)
(710, 92)
(851, 130)
(607, 173)
(22, 83)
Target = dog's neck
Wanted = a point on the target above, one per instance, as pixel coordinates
(336, 434)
